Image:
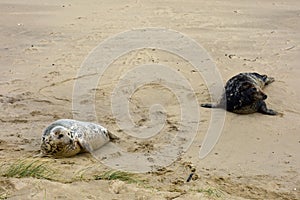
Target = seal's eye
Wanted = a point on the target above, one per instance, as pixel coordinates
(246, 86)
(60, 136)
(253, 89)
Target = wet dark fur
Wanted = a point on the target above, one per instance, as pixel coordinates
(244, 95)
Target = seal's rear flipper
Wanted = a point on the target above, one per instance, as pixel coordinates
(209, 105)
(112, 137)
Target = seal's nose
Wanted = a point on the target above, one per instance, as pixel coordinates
(264, 96)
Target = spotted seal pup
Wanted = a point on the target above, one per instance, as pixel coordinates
(67, 137)
(243, 94)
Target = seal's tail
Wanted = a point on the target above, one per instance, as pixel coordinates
(209, 105)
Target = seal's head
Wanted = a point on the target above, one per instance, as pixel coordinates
(253, 93)
(59, 142)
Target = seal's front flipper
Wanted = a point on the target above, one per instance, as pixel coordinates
(264, 110)
(85, 146)
(268, 111)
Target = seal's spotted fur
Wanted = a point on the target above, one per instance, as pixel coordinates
(243, 94)
(67, 137)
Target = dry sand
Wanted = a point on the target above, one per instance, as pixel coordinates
(43, 44)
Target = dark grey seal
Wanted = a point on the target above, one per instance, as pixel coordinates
(243, 94)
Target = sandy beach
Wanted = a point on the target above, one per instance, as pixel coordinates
(43, 46)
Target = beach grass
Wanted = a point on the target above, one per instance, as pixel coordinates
(118, 175)
(27, 168)
(211, 192)
(3, 196)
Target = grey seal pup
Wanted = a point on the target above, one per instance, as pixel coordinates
(68, 137)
